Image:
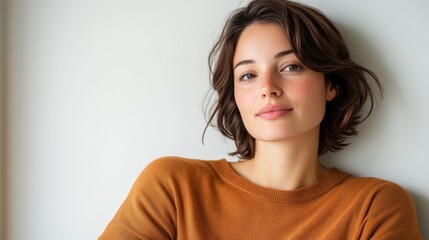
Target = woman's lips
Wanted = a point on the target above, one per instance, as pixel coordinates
(273, 112)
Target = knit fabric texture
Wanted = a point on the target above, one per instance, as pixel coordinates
(187, 199)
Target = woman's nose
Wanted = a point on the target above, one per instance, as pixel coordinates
(270, 86)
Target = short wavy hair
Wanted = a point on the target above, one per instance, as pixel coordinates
(319, 46)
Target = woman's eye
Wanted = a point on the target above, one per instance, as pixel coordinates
(246, 76)
(292, 68)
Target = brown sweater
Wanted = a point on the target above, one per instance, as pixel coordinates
(176, 198)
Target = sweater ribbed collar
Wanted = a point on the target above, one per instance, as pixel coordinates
(230, 176)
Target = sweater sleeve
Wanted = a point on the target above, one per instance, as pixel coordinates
(391, 215)
(148, 212)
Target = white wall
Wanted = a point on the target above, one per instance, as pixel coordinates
(390, 37)
(100, 88)
(2, 119)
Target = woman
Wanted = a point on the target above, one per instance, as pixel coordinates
(287, 93)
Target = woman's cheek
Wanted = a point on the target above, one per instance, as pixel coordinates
(309, 95)
(243, 99)
(300, 90)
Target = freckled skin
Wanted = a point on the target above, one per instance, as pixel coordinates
(270, 80)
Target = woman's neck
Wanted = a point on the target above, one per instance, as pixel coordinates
(287, 165)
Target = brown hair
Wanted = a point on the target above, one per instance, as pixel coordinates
(318, 45)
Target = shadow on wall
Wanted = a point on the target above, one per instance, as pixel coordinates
(422, 204)
(3, 127)
(3, 138)
(365, 52)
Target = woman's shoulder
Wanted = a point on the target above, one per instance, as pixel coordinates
(173, 167)
(373, 184)
(174, 163)
(384, 206)
(376, 191)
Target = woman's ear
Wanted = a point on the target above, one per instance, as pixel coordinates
(331, 91)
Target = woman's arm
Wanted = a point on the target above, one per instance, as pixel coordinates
(391, 215)
(148, 212)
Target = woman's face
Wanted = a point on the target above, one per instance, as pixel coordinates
(277, 96)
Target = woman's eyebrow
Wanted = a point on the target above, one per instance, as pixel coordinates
(278, 55)
(284, 53)
(243, 62)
